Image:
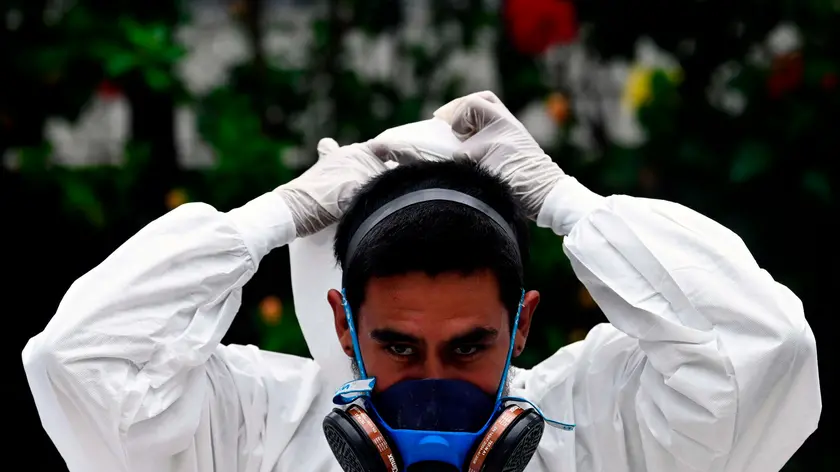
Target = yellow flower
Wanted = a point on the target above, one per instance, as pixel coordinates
(271, 310)
(637, 90)
(176, 197)
(585, 299)
(558, 107)
(576, 335)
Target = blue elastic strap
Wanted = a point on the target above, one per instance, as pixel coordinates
(348, 314)
(556, 424)
(353, 390)
(513, 330)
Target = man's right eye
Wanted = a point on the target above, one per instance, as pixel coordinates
(401, 350)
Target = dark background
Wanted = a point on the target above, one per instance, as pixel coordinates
(739, 123)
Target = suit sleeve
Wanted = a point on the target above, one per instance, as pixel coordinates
(709, 363)
(129, 371)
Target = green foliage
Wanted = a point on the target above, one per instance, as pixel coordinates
(98, 195)
(248, 161)
(750, 159)
(755, 169)
(284, 336)
(742, 168)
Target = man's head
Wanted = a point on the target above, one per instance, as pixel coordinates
(434, 287)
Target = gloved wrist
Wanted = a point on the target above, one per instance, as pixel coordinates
(532, 180)
(309, 217)
(568, 202)
(264, 223)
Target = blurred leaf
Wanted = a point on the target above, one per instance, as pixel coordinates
(286, 336)
(145, 37)
(817, 68)
(751, 159)
(817, 184)
(35, 158)
(80, 197)
(693, 153)
(137, 157)
(104, 50)
(620, 168)
(49, 59)
(801, 119)
(158, 79)
(320, 33)
(119, 63)
(547, 254)
(555, 337)
(172, 53)
(664, 86)
(529, 358)
(409, 110)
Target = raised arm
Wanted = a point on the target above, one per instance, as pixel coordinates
(129, 374)
(711, 365)
(708, 363)
(123, 368)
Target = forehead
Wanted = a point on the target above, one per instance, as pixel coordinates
(433, 306)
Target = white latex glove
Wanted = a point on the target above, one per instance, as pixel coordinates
(320, 195)
(494, 138)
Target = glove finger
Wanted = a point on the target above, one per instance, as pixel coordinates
(472, 150)
(447, 112)
(401, 153)
(474, 113)
(327, 146)
(461, 156)
(489, 96)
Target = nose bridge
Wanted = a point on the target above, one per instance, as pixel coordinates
(434, 367)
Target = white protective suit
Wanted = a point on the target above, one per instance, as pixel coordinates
(708, 364)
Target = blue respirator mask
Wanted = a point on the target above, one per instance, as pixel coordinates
(432, 424)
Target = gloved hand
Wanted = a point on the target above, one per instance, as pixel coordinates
(320, 195)
(494, 138)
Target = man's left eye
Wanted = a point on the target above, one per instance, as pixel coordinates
(466, 350)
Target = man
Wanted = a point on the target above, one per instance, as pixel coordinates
(707, 364)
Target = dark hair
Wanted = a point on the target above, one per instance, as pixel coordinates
(434, 237)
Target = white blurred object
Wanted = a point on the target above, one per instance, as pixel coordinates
(215, 46)
(99, 135)
(193, 151)
(314, 269)
(721, 95)
(784, 39)
(539, 122)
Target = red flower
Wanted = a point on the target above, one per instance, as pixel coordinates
(108, 90)
(786, 75)
(536, 25)
(829, 81)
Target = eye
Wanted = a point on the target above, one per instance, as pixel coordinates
(467, 350)
(401, 350)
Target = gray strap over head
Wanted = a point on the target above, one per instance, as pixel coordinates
(420, 196)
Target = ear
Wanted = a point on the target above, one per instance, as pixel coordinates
(526, 315)
(342, 329)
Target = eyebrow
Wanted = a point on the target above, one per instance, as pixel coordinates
(390, 336)
(479, 335)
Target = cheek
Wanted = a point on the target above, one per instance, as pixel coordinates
(381, 365)
(486, 371)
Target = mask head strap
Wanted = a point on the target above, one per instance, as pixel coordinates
(420, 196)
